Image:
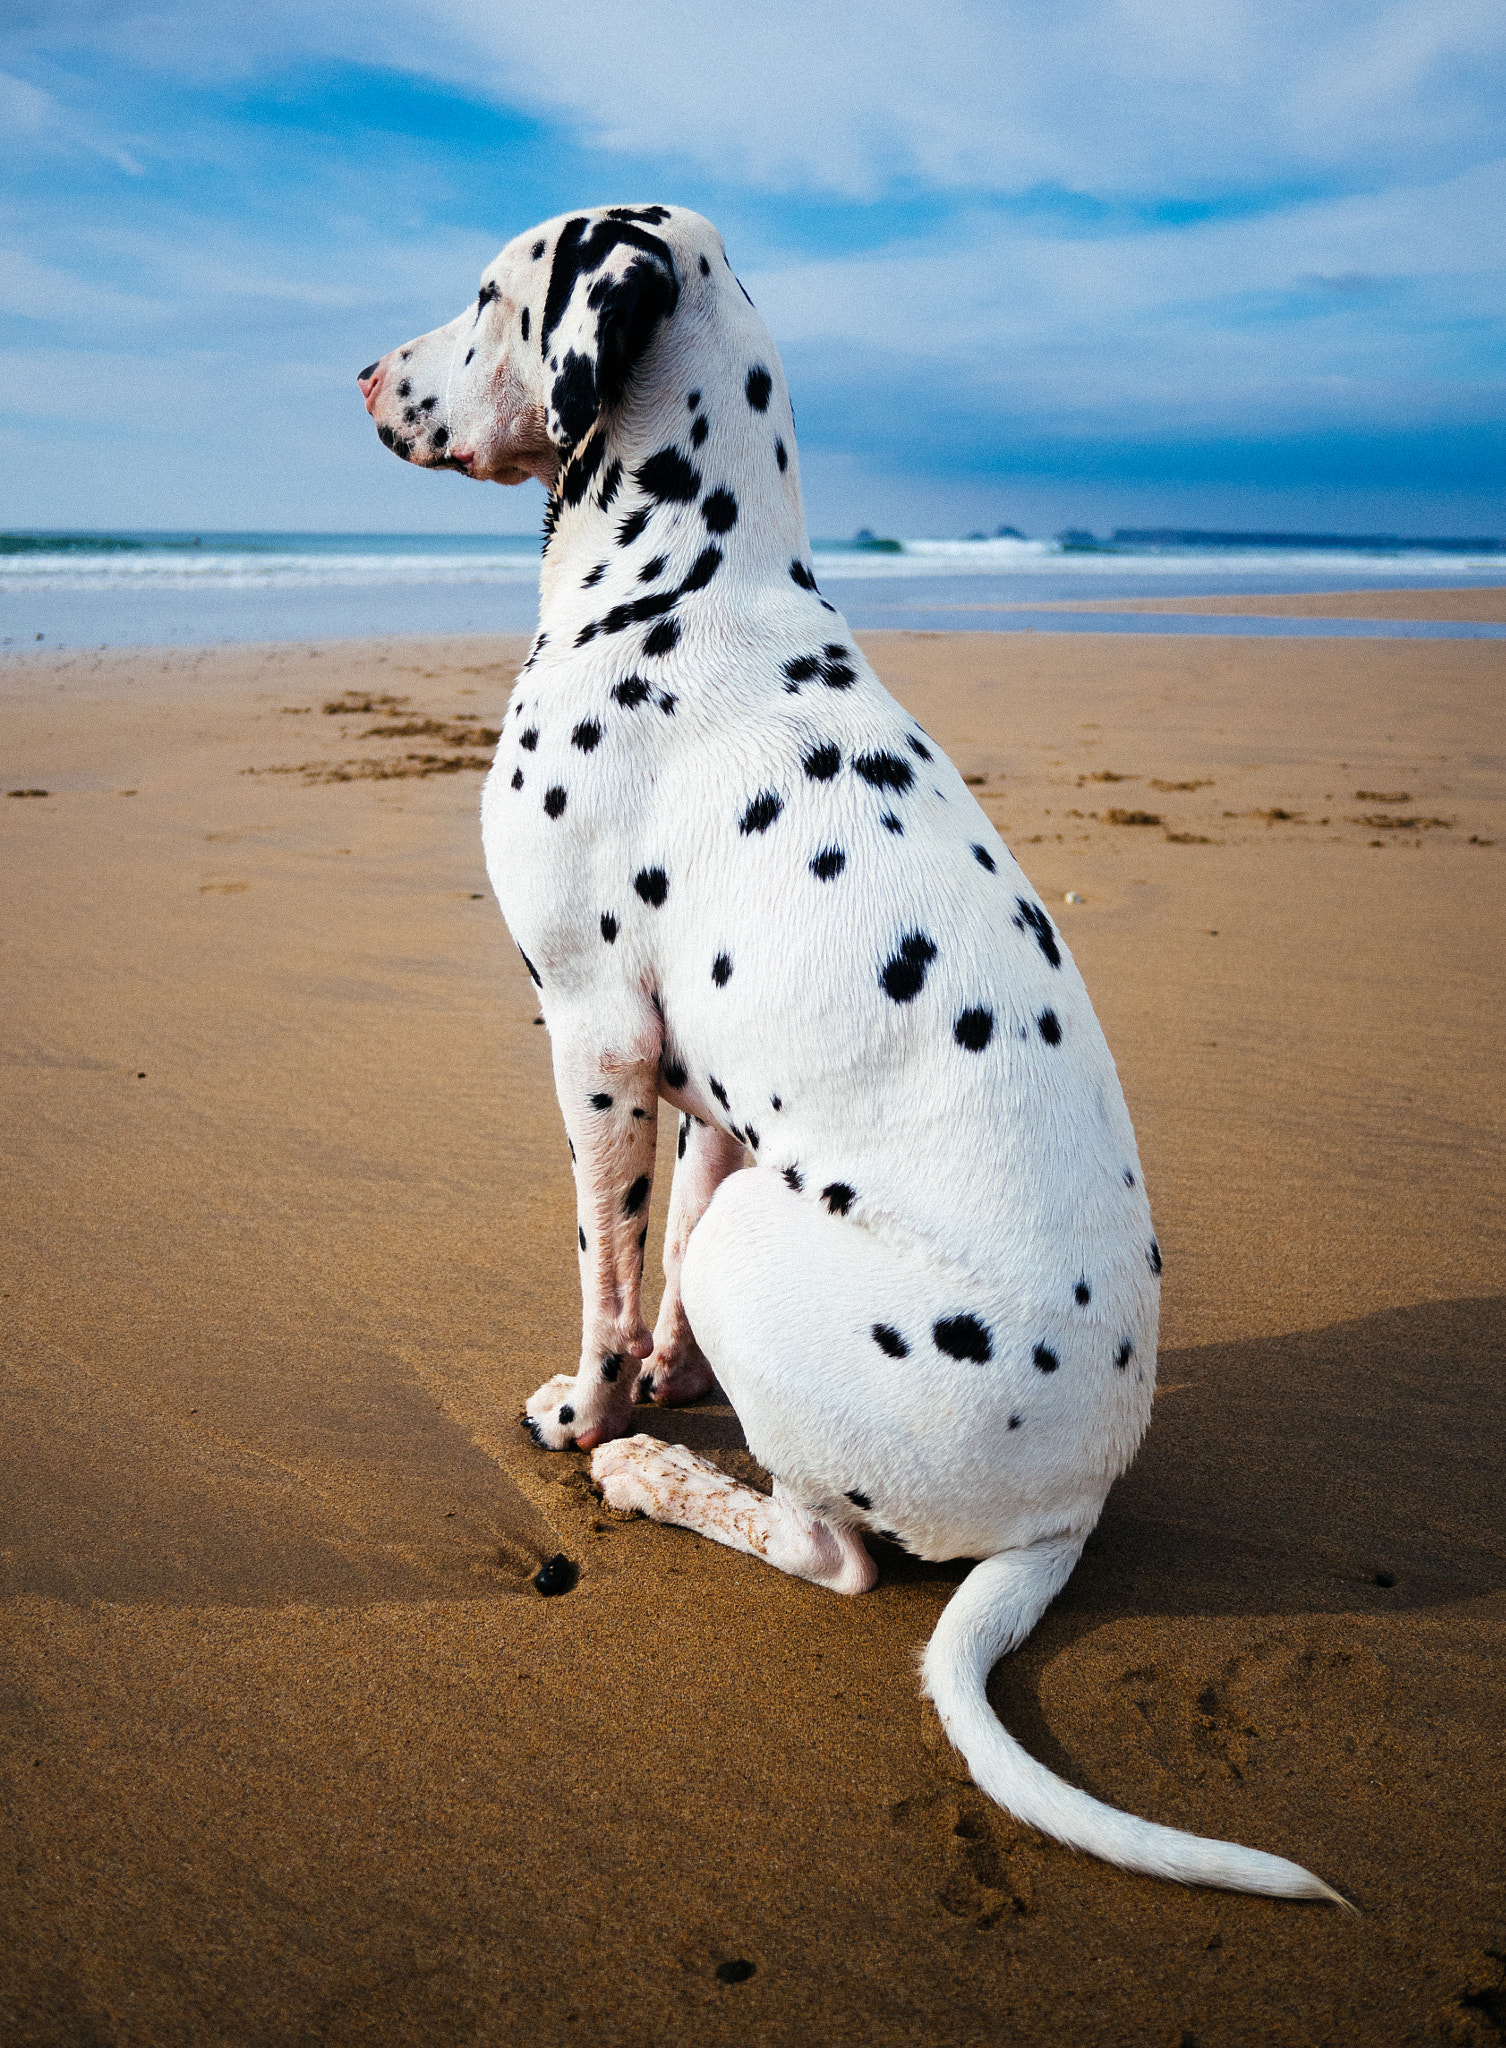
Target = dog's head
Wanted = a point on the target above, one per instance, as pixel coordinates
(564, 317)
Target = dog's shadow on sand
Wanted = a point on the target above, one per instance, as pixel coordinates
(1355, 1469)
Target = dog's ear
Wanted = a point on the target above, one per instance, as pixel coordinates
(610, 285)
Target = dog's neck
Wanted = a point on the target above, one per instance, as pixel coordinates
(652, 512)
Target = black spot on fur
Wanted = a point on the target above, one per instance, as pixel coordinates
(792, 1178)
(1015, 1421)
(828, 864)
(1045, 1358)
(581, 1235)
(576, 403)
(903, 975)
(674, 1075)
(822, 762)
(800, 668)
(838, 1197)
(1124, 1354)
(752, 1137)
(801, 575)
(662, 638)
(632, 526)
(781, 457)
(652, 884)
(585, 735)
(533, 976)
(684, 1134)
(963, 1337)
(517, 778)
(973, 1029)
(611, 1365)
(578, 472)
(762, 812)
(538, 250)
(1049, 1027)
(667, 702)
(701, 570)
(859, 1500)
(609, 927)
(891, 824)
(1033, 919)
(566, 1415)
(1154, 1256)
(919, 747)
(884, 771)
(554, 802)
(652, 569)
(609, 485)
(636, 1195)
(599, 1101)
(530, 739)
(1129, 1178)
(758, 386)
(718, 1091)
(720, 512)
(698, 433)
(775, 1103)
(590, 580)
(984, 858)
(630, 692)
(705, 268)
(669, 477)
(890, 1341)
(721, 970)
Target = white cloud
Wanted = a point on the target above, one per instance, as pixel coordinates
(1142, 97)
(1233, 316)
(31, 118)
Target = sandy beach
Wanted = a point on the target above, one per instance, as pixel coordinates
(292, 1749)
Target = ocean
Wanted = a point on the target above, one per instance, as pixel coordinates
(148, 588)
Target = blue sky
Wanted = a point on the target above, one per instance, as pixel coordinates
(1119, 262)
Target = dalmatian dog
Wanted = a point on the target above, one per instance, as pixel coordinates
(908, 1232)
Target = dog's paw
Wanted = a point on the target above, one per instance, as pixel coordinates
(549, 1416)
(674, 1383)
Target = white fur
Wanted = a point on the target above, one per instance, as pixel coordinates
(933, 1298)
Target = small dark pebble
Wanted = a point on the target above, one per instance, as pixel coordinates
(737, 1972)
(557, 1576)
(1385, 1578)
(538, 1020)
(478, 895)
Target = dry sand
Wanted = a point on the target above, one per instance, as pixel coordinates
(293, 1752)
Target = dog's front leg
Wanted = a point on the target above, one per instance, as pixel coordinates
(678, 1370)
(608, 1092)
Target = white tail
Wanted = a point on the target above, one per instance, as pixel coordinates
(995, 1608)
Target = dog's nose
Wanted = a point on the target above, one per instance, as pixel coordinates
(369, 371)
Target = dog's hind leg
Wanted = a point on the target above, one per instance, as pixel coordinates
(670, 1484)
(679, 1371)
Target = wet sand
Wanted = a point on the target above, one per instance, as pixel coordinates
(1484, 607)
(293, 1751)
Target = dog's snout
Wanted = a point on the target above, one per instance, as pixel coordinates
(369, 371)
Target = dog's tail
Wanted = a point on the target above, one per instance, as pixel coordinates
(994, 1609)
